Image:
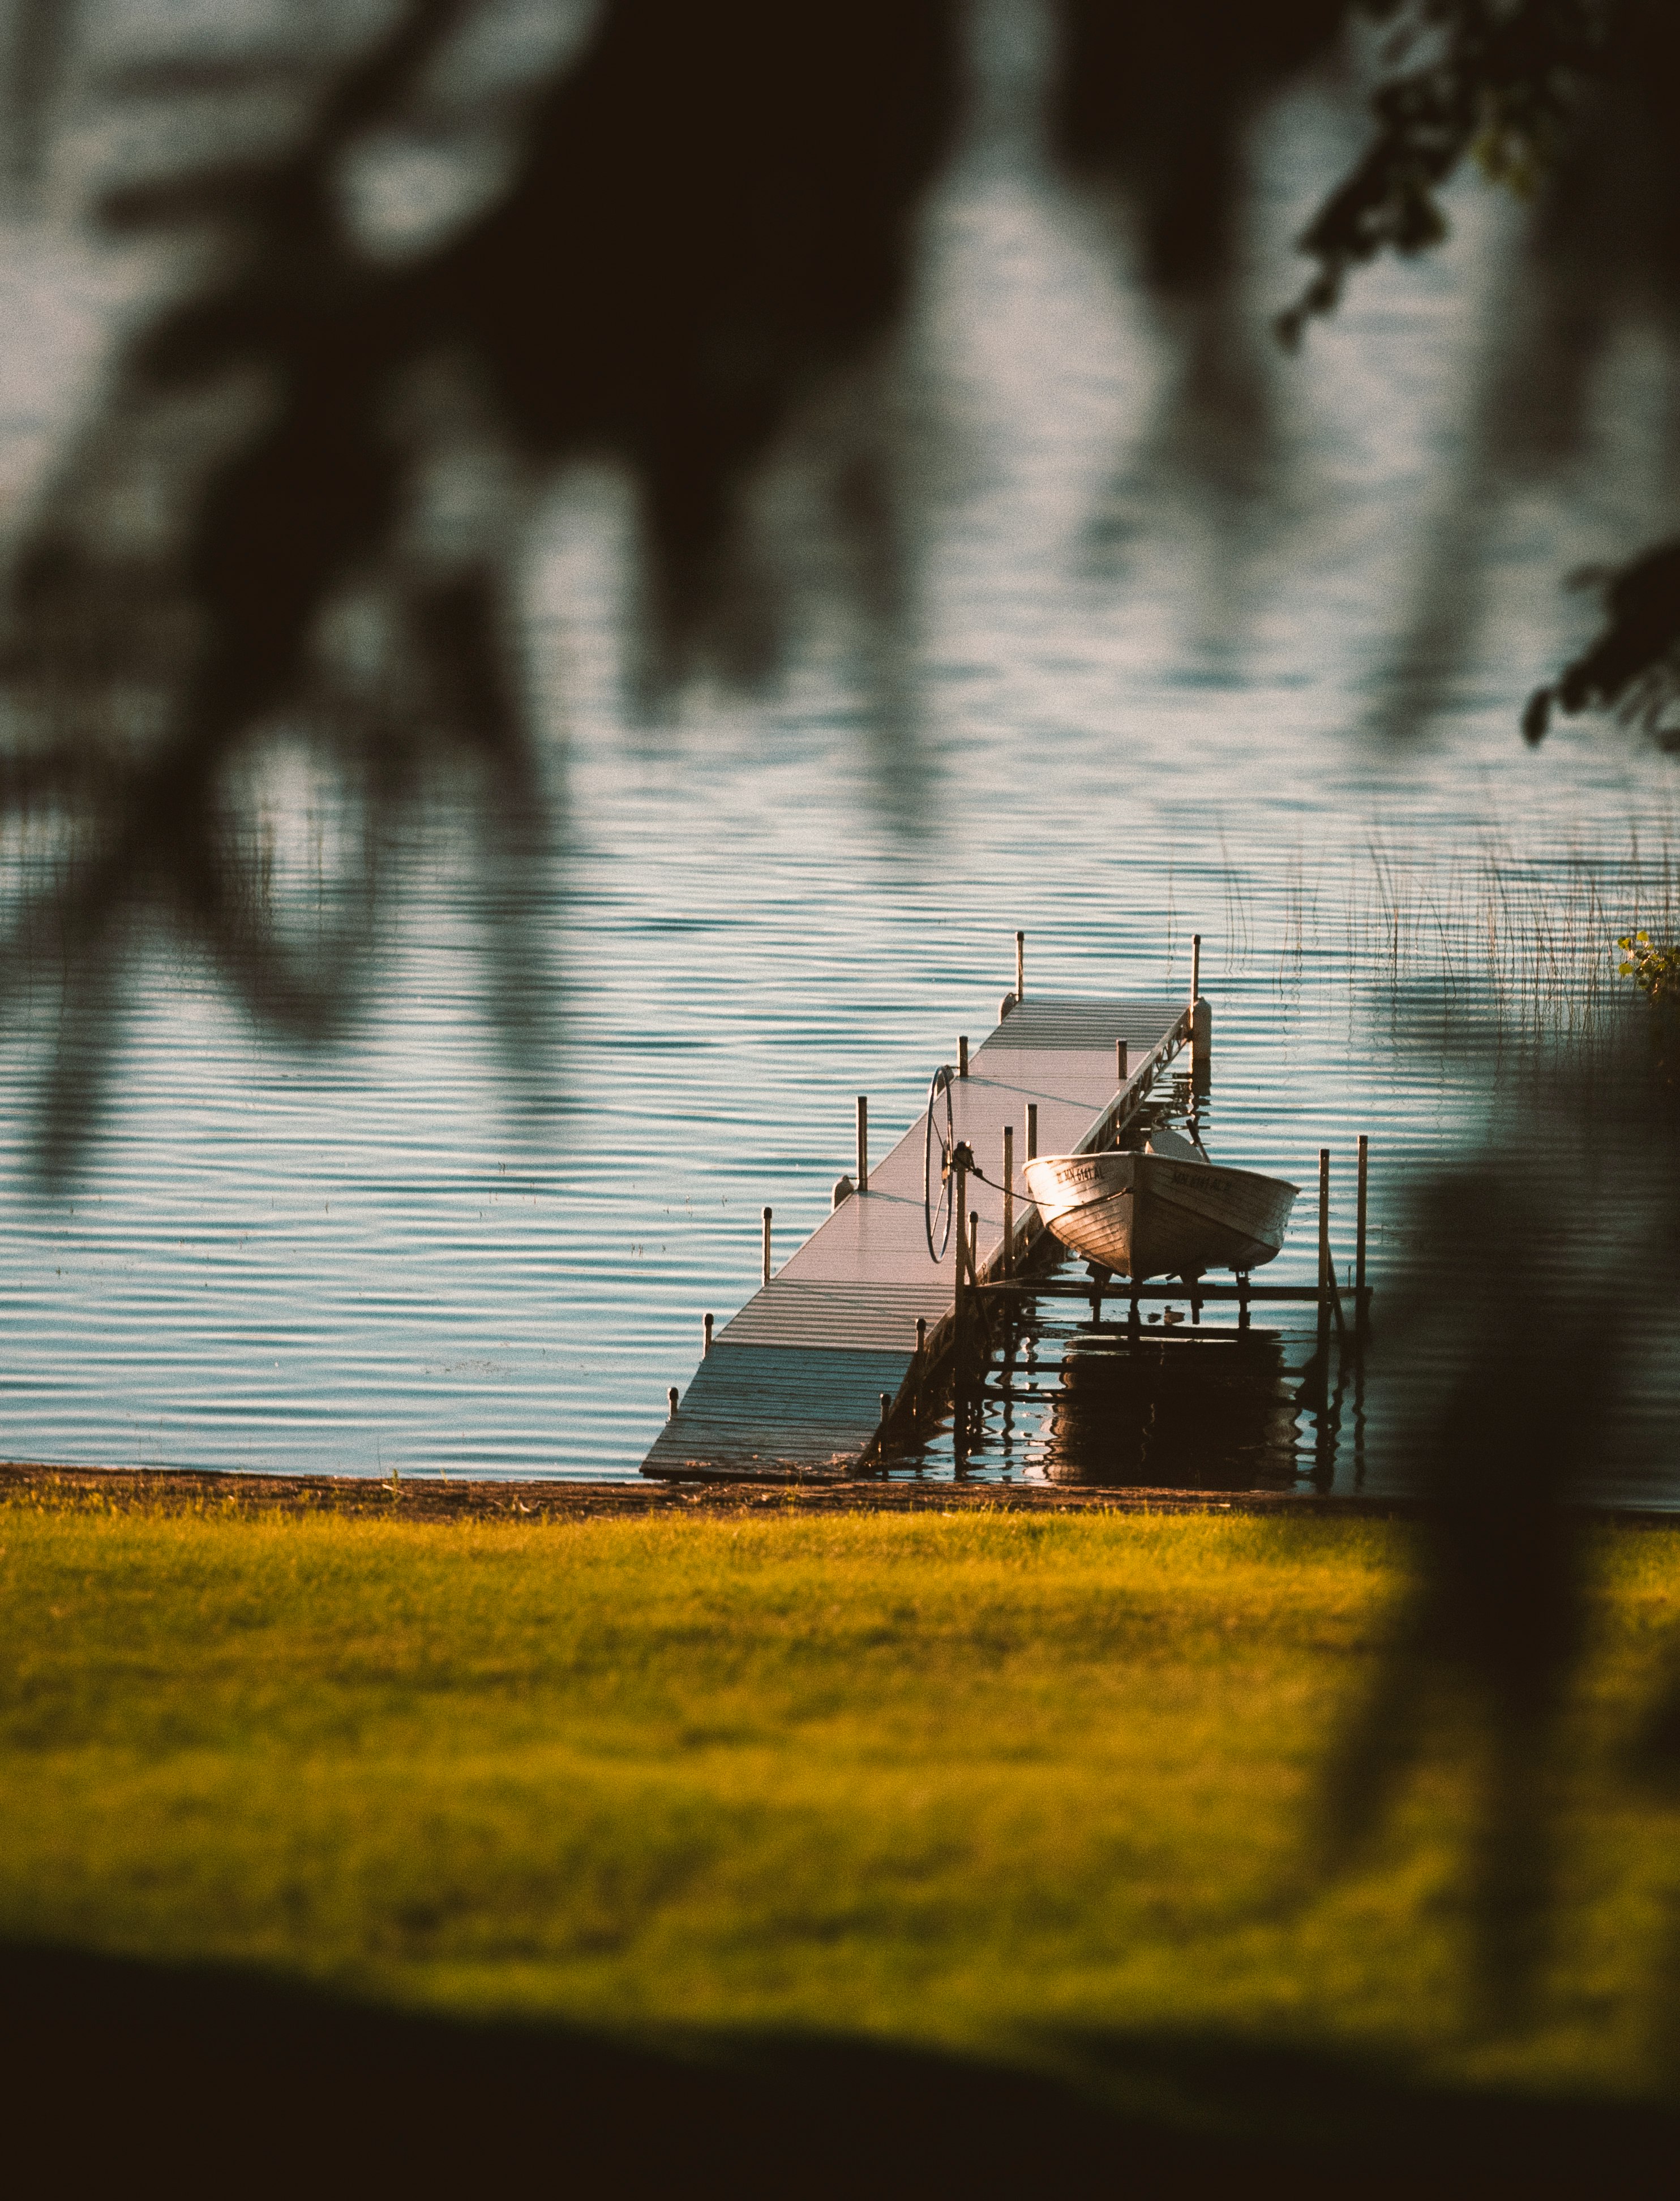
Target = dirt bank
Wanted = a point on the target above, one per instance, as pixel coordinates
(437, 1498)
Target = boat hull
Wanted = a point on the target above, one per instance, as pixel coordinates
(1144, 1215)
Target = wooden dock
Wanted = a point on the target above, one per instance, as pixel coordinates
(793, 1386)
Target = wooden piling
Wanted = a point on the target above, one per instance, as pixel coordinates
(1202, 1025)
(1008, 1199)
(705, 1336)
(1020, 967)
(1323, 1247)
(1122, 1061)
(1032, 1130)
(766, 1245)
(962, 1055)
(1359, 1309)
(670, 1403)
(959, 1209)
(863, 1142)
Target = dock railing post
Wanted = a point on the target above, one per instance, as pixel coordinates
(1032, 1130)
(863, 1142)
(671, 1404)
(962, 1055)
(1020, 968)
(1008, 1199)
(1359, 1243)
(766, 1245)
(705, 1336)
(958, 1209)
(1202, 1024)
(1323, 1250)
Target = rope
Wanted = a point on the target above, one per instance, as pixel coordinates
(978, 1171)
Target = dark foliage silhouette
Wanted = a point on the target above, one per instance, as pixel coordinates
(707, 214)
(1157, 99)
(1633, 668)
(1516, 1369)
(1533, 92)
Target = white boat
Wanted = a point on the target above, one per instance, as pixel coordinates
(1166, 1211)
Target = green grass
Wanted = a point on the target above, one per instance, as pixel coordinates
(981, 1779)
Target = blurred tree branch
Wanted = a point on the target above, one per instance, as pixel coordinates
(1500, 80)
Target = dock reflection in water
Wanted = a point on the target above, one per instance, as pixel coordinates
(1179, 1409)
(1075, 1396)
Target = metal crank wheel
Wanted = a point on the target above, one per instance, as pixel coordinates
(938, 1148)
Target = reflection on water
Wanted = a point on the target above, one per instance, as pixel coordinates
(397, 1084)
(1188, 1396)
(1174, 1409)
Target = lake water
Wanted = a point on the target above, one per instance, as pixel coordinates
(1138, 689)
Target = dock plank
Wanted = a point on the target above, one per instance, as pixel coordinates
(793, 1383)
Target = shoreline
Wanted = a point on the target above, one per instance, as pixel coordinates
(443, 1498)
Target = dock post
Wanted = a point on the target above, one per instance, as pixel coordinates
(766, 1245)
(921, 1335)
(705, 1336)
(962, 1055)
(1202, 1024)
(1032, 1130)
(1359, 1250)
(1323, 1248)
(1008, 1199)
(1122, 1062)
(1020, 967)
(959, 1209)
(670, 1403)
(863, 1142)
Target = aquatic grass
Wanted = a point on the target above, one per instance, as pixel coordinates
(1522, 944)
(976, 1779)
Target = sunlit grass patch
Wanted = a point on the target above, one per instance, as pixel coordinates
(969, 1778)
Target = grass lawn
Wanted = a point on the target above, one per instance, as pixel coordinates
(982, 1780)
